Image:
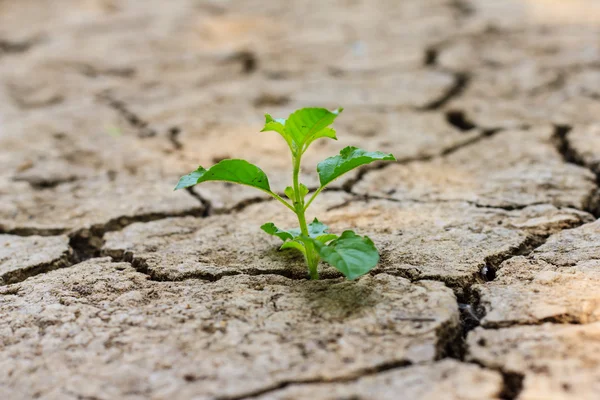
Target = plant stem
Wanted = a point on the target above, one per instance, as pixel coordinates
(313, 197)
(282, 201)
(311, 258)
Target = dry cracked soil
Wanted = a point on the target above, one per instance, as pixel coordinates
(112, 286)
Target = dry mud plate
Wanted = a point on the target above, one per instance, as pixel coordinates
(112, 286)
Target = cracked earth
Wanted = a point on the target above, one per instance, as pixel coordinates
(112, 286)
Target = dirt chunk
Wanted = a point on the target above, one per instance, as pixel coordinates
(209, 248)
(446, 379)
(101, 321)
(93, 204)
(416, 241)
(553, 361)
(510, 170)
(232, 131)
(558, 282)
(584, 141)
(21, 257)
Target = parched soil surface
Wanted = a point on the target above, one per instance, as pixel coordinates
(112, 286)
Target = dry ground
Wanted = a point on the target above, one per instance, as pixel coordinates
(112, 286)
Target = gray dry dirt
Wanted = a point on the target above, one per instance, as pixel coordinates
(112, 286)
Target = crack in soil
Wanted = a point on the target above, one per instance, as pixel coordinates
(350, 378)
(446, 335)
(472, 312)
(174, 133)
(28, 231)
(48, 183)
(17, 47)
(87, 242)
(462, 9)
(512, 382)
(67, 259)
(142, 126)
(363, 171)
(91, 71)
(570, 156)
(555, 319)
(141, 266)
(348, 186)
(461, 81)
(459, 120)
(430, 57)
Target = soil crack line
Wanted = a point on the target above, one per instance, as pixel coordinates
(67, 259)
(349, 185)
(571, 156)
(17, 47)
(142, 126)
(87, 242)
(461, 81)
(344, 379)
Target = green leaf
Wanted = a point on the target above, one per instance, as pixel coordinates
(327, 237)
(271, 229)
(236, 171)
(294, 245)
(327, 132)
(308, 124)
(317, 228)
(277, 125)
(348, 159)
(351, 254)
(303, 190)
(289, 192)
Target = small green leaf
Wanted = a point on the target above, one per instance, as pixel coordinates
(351, 254)
(327, 132)
(236, 171)
(327, 237)
(294, 245)
(317, 228)
(289, 192)
(308, 124)
(271, 229)
(348, 159)
(277, 125)
(303, 190)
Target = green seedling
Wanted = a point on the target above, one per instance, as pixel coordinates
(351, 254)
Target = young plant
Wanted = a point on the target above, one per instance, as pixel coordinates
(351, 254)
